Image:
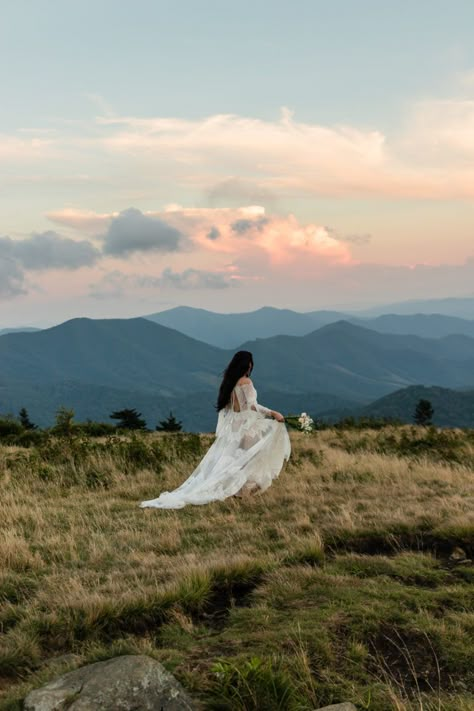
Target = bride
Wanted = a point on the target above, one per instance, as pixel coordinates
(249, 450)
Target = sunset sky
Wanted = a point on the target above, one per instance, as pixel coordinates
(226, 155)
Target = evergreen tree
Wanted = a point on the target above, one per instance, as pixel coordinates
(424, 412)
(26, 423)
(171, 424)
(129, 419)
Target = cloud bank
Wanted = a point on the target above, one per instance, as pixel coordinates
(118, 284)
(233, 160)
(49, 250)
(40, 252)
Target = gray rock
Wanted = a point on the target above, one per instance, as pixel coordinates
(131, 682)
(346, 706)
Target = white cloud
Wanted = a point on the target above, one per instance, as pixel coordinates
(441, 133)
(228, 155)
(232, 159)
(76, 218)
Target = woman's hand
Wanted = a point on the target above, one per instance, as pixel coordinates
(278, 416)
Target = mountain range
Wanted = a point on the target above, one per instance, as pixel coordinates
(462, 307)
(230, 330)
(96, 366)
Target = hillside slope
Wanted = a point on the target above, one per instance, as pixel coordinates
(452, 408)
(97, 366)
(122, 353)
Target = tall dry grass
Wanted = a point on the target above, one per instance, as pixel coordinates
(348, 524)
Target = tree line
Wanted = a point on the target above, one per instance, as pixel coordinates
(126, 419)
(131, 420)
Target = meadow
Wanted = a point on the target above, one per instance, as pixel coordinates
(351, 579)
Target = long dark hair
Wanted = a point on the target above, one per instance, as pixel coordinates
(240, 365)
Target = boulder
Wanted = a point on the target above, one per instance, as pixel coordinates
(133, 682)
(345, 706)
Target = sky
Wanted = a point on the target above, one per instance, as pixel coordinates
(229, 156)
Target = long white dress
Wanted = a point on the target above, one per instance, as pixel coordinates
(248, 453)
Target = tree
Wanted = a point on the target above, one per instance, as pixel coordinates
(423, 413)
(129, 419)
(64, 425)
(171, 424)
(26, 423)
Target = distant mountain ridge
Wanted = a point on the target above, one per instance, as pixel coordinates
(94, 363)
(26, 329)
(229, 330)
(461, 307)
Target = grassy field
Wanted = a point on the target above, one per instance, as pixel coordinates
(348, 580)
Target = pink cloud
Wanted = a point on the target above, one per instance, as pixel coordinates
(288, 158)
(284, 241)
(428, 156)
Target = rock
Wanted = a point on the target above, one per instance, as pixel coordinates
(457, 555)
(346, 706)
(130, 682)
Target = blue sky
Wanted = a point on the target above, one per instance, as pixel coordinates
(343, 61)
(350, 124)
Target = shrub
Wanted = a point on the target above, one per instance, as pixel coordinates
(9, 426)
(29, 438)
(138, 453)
(96, 429)
(364, 423)
(64, 425)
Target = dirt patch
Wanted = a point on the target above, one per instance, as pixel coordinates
(393, 542)
(408, 660)
(224, 598)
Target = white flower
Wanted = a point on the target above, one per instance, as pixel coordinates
(306, 422)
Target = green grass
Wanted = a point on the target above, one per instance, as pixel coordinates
(336, 584)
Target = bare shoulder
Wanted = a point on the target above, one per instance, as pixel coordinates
(244, 381)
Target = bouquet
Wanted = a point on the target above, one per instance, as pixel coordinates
(302, 422)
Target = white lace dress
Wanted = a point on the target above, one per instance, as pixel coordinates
(248, 453)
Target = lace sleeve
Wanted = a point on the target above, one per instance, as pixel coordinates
(251, 397)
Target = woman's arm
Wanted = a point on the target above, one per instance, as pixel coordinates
(251, 395)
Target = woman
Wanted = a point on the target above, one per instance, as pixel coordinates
(249, 450)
